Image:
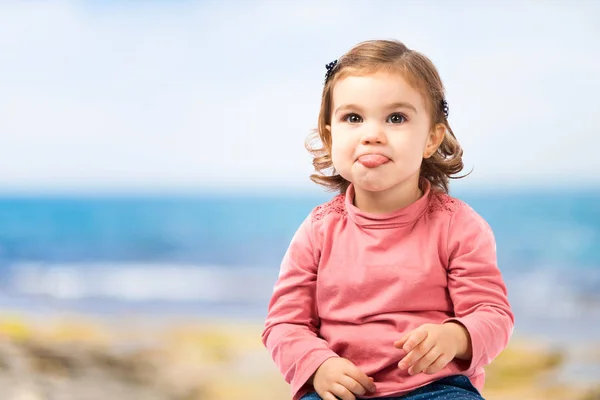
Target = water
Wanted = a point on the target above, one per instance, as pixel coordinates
(220, 255)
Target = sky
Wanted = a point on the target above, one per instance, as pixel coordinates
(189, 95)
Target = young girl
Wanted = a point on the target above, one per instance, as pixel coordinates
(392, 288)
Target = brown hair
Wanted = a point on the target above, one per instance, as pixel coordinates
(388, 55)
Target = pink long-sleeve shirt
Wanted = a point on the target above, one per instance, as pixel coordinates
(352, 283)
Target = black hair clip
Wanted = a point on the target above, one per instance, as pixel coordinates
(330, 68)
(445, 108)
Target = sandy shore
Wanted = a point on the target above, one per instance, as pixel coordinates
(75, 358)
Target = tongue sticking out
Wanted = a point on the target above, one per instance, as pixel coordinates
(373, 160)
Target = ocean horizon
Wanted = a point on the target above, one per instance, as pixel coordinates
(218, 254)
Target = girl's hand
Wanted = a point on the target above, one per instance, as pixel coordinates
(431, 347)
(340, 377)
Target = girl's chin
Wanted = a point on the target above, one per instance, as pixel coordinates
(372, 186)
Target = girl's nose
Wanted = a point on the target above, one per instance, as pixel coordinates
(374, 135)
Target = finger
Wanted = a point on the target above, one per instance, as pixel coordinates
(418, 336)
(425, 361)
(340, 391)
(416, 354)
(353, 386)
(360, 377)
(439, 364)
(400, 342)
(328, 396)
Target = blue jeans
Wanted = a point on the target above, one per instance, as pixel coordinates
(457, 387)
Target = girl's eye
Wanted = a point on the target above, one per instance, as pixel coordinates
(353, 118)
(397, 118)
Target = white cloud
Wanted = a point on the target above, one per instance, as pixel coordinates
(197, 94)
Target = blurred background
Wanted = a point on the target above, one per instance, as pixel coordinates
(153, 172)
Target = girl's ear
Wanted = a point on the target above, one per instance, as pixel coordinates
(435, 139)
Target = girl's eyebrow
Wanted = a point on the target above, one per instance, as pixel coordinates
(400, 104)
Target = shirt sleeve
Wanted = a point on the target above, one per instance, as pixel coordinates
(292, 323)
(476, 287)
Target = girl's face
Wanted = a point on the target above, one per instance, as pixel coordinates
(380, 131)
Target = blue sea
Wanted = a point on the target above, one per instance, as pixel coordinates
(219, 254)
